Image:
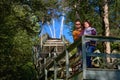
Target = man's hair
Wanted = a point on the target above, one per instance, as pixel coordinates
(77, 20)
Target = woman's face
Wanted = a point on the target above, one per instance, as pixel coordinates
(86, 24)
(77, 24)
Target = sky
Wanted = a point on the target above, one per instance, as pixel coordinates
(57, 24)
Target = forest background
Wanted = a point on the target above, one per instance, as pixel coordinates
(20, 26)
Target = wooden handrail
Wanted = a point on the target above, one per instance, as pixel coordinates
(79, 41)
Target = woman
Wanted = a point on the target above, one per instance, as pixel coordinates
(90, 45)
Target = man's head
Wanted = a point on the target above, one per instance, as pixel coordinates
(77, 24)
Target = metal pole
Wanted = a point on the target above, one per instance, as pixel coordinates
(67, 65)
(84, 57)
(55, 68)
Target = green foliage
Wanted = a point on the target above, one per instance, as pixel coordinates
(92, 10)
(28, 72)
(41, 8)
(19, 28)
(114, 18)
(14, 61)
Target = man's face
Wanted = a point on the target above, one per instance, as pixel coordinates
(77, 24)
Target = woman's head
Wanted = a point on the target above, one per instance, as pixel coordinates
(77, 24)
(87, 24)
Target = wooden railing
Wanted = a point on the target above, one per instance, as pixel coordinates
(104, 55)
(65, 55)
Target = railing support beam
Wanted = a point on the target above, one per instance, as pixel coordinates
(55, 67)
(45, 70)
(84, 57)
(67, 65)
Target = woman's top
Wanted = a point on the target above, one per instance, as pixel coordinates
(89, 31)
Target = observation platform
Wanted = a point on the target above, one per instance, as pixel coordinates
(60, 65)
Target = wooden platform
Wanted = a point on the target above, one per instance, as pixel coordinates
(53, 45)
(103, 74)
(97, 74)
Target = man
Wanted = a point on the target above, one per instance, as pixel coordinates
(78, 30)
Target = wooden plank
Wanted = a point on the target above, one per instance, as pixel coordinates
(102, 38)
(116, 55)
(77, 76)
(97, 74)
(53, 40)
(48, 66)
(103, 74)
(70, 48)
(53, 44)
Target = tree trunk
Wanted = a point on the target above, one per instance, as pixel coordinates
(107, 29)
(76, 10)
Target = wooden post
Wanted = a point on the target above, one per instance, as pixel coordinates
(84, 57)
(45, 69)
(55, 67)
(67, 65)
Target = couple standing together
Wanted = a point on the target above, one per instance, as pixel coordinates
(85, 29)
